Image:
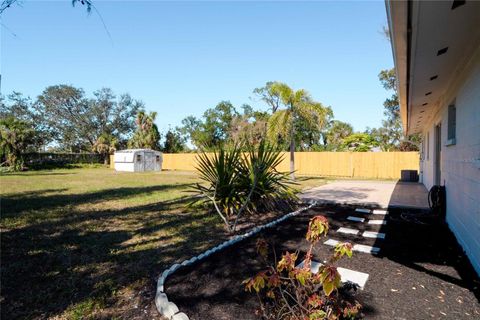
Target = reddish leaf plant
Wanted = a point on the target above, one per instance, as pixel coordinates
(287, 291)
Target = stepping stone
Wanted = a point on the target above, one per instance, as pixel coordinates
(377, 222)
(346, 275)
(362, 210)
(356, 219)
(379, 211)
(314, 265)
(331, 242)
(357, 277)
(348, 230)
(372, 234)
(366, 249)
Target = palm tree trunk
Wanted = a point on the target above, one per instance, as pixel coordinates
(292, 152)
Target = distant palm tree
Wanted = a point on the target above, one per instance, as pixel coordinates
(337, 132)
(298, 104)
(147, 134)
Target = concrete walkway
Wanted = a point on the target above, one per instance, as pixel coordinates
(383, 194)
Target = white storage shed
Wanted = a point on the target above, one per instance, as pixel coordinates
(138, 160)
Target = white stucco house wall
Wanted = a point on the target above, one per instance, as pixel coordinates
(137, 160)
(436, 48)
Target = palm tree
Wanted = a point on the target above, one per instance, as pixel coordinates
(298, 104)
(147, 134)
(15, 137)
(337, 132)
(105, 145)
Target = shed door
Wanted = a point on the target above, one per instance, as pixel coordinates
(139, 162)
(149, 164)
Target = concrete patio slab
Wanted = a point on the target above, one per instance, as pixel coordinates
(381, 194)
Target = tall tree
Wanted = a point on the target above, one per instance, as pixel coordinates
(77, 123)
(297, 104)
(270, 94)
(359, 142)
(105, 145)
(21, 108)
(390, 135)
(213, 129)
(174, 141)
(249, 128)
(309, 132)
(336, 133)
(15, 138)
(147, 135)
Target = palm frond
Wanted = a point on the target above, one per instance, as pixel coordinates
(279, 124)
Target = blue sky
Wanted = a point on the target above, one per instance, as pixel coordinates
(182, 57)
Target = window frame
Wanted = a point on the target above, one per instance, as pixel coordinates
(451, 124)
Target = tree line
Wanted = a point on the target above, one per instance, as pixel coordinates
(64, 119)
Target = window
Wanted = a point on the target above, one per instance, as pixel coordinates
(452, 124)
(139, 157)
(158, 158)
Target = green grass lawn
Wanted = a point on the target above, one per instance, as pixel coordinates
(90, 242)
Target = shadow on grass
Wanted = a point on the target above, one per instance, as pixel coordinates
(15, 205)
(52, 266)
(36, 174)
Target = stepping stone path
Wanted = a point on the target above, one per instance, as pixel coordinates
(372, 234)
(362, 210)
(331, 242)
(377, 222)
(356, 247)
(348, 230)
(366, 249)
(356, 219)
(357, 277)
(346, 275)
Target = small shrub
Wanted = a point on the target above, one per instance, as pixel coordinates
(219, 173)
(288, 291)
(271, 189)
(236, 182)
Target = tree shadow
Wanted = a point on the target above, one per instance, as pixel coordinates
(51, 266)
(421, 241)
(16, 204)
(36, 174)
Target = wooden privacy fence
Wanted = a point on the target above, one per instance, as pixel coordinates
(378, 165)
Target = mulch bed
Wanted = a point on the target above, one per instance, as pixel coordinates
(420, 273)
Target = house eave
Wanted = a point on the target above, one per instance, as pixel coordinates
(398, 17)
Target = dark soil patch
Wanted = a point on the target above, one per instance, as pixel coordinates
(420, 273)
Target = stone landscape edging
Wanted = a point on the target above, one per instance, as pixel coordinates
(169, 309)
